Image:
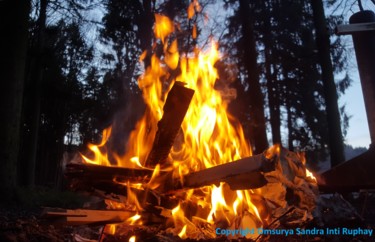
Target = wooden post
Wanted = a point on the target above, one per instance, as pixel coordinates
(364, 45)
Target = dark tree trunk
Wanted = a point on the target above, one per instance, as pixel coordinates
(272, 82)
(274, 106)
(256, 98)
(36, 95)
(273, 99)
(333, 115)
(13, 44)
(145, 30)
(290, 125)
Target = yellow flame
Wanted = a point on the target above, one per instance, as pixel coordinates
(310, 175)
(182, 234)
(218, 203)
(132, 239)
(134, 220)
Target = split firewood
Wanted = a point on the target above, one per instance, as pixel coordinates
(242, 174)
(175, 108)
(83, 216)
(99, 217)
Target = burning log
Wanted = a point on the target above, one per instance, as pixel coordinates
(276, 171)
(175, 108)
(239, 175)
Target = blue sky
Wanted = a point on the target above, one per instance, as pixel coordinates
(358, 133)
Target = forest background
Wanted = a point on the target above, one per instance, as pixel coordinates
(69, 69)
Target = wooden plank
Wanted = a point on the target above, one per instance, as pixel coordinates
(353, 175)
(354, 28)
(175, 109)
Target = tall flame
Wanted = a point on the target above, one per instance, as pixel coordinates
(211, 136)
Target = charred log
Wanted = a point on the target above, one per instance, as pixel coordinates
(175, 108)
(113, 191)
(106, 173)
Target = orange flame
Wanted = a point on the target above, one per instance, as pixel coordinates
(163, 27)
(110, 229)
(194, 6)
(100, 156)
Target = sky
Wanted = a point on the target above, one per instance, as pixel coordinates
(358, 132)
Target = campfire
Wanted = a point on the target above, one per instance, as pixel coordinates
(188, 169)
